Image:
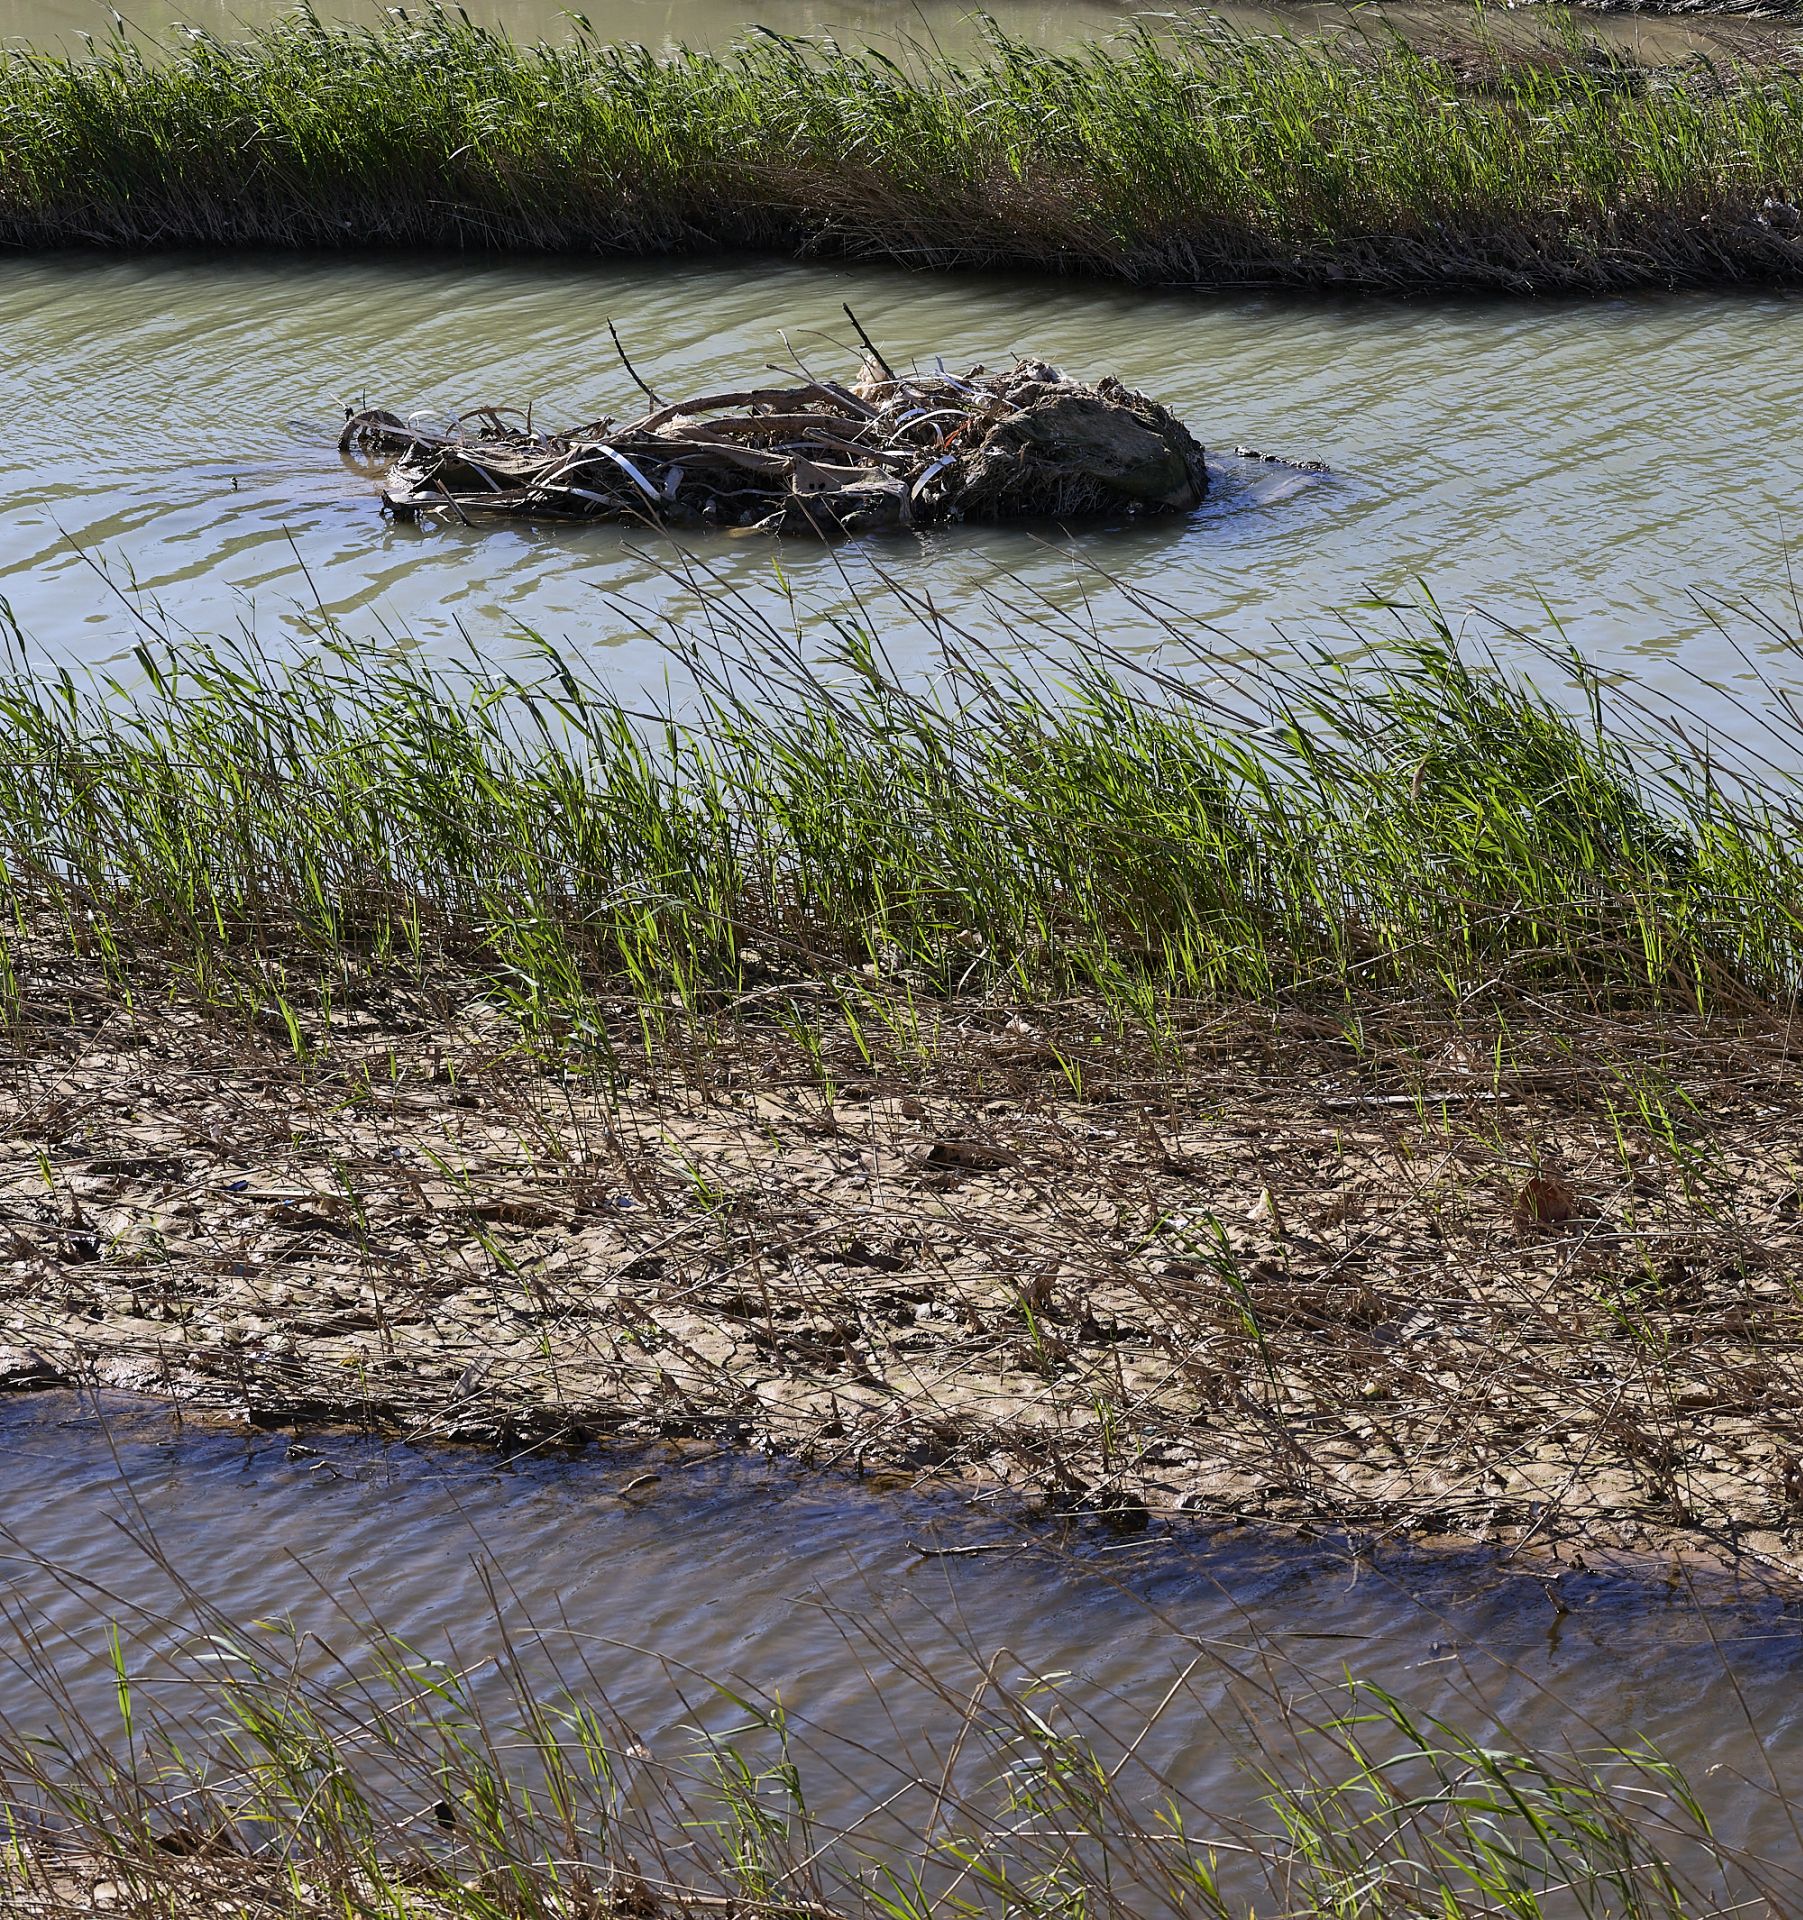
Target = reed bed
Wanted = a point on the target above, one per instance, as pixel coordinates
(1305, 834)
(1187, 157)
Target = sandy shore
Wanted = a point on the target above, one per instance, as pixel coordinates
(1263, 1280)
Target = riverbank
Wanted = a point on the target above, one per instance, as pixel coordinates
(1378, 1114)
(1264, 1286)
(1255, 1282)
(1193, 159)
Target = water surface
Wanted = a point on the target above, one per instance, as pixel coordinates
(171, 423)
(656, 1575)
(894, 25)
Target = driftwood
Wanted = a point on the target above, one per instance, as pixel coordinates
(888, 451)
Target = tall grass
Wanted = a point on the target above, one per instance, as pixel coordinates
(1429, 823)
(1191, 157)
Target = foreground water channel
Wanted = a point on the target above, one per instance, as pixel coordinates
(653, 1579)
(172, 426)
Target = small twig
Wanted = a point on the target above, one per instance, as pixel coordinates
(870, 345)
(456, 505)
(630, 368)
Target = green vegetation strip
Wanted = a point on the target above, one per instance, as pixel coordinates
(1194, 157)
(1425, 822)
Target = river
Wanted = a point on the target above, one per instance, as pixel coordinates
(1630, 463)
(1627, 468)
(655, 1579)
(896, 26)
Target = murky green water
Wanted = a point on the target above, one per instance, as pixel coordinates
(951, 24)
(171, 424)
(61, 23)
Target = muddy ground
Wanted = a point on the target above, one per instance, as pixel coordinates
(1270, 1277)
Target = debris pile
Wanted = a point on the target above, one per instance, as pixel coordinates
(889, 451)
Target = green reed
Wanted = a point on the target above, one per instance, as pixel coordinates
(1427, 823)
(1189, 156)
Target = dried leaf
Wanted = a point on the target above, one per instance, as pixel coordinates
(1546, 1200)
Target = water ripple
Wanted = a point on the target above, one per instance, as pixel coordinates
(175, 418)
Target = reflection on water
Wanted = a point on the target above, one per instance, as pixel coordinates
(173, 420)
(736, 1569)
(955, 26)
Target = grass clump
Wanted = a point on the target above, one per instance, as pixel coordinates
(1192, 156)
(1428, 824)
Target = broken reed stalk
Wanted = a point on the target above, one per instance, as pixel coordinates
(1191, 156)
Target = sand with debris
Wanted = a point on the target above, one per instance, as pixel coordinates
(1253, 1283)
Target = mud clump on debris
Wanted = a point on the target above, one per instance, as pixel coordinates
(890, 451)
